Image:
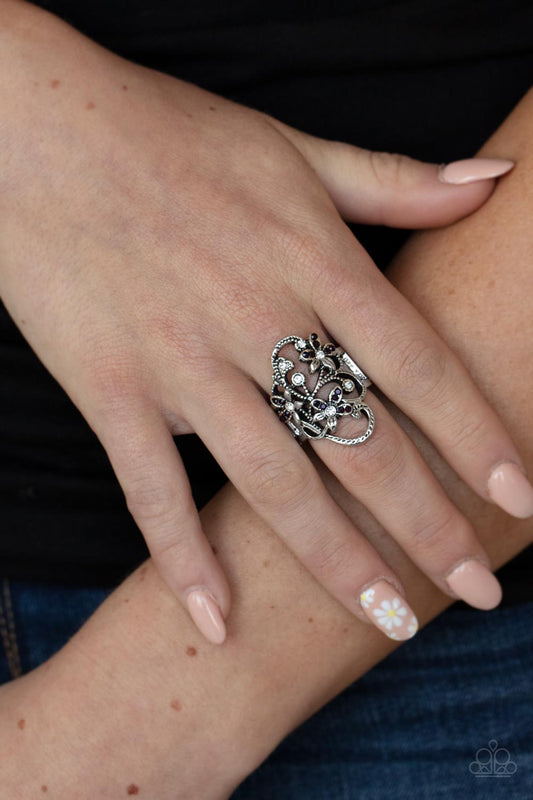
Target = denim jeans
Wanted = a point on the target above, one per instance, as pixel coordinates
(447, 716)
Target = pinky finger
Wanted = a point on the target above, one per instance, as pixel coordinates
(158, 495)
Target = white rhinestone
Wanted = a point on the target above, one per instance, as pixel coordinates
(320, 355)
(348, 385)
(289, 407)
(300, 344)
(298, 379)
(330, 411)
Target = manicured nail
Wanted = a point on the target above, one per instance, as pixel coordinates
(388, 611)
(510, 489)
(470, 170)
(475, 584)
(206, 615)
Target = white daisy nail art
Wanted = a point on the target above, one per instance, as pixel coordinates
(391, 615)
(367, 598)
(388, 611)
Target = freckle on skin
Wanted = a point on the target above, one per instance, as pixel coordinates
(44, 788)
(212, 108)
(142, 573)
(36, 83)
(55, 83)
(310, 619)
(90, 105)
(127, 600)
(191, 651)
(490, 285)
(266, 563)
(272, 606)
(133, 789)
(451, 291)
(176, 705)
(124, 87)
(21, 723)
(345, 630)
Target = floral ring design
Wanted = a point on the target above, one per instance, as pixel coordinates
(308, 415)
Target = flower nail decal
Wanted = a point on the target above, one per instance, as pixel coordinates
(389, 612)
(391, 615)
(367, 598)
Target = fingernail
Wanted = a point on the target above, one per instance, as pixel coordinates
(388, 611)
(470, 170)
(206, 615)
(475, 584)
(510, 489)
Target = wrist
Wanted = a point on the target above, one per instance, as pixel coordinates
(112, 712)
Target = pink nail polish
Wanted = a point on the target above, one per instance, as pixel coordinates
(388, 611)
(206, 615)
(510, 489)
(470, 170)
(475, 584)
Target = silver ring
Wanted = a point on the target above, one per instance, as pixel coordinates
(298, 405)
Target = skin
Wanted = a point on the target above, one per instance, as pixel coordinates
(139, 223)
(129, 683)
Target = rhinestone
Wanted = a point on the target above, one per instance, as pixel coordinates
(330, 411)
(289, 407)
(298, 379)
(300, 344)
(320, 355)
(349, 385)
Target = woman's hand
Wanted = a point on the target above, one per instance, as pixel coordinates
(156, 241)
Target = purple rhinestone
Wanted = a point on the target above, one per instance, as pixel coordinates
(328, 348)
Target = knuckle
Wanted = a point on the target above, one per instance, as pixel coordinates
(248, 306)
(112, 386)
(418, 367)
(331, 557)
(389, 169)
(150, 501)
(379, 462)
(472, 433)
(111, 376)
(435, 534)
(177, 341)
(278, 480)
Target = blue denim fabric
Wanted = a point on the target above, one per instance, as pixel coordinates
(422, 724)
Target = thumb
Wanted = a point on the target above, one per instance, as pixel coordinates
(390, 189)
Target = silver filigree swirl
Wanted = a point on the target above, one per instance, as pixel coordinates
(300, 407)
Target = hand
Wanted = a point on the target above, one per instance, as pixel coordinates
(157, 240)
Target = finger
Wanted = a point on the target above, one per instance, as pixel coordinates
(151, 473)
(393, 189)
(389, 476)
(412, 365)
(278, 480)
